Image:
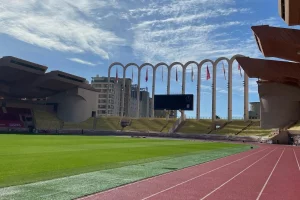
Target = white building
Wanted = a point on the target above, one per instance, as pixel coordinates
(115, 95)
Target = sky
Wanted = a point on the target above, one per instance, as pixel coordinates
(84, 37)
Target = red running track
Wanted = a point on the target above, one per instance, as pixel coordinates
(270, 172)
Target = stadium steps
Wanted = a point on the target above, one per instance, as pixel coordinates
(88, 124)
(245, 128)
(255, 130)
(46, 120)
(231, 128)
(192, 126)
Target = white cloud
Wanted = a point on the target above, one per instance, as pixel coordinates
(57, 25)
(84, 62)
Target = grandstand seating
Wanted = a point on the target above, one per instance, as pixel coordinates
(46, 120)
(142, 124)
(232, 128)
(255, 130)
(296, 127)
(88, 124)
(196, 126)
(11, 117)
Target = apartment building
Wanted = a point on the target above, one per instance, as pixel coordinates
(114, 89)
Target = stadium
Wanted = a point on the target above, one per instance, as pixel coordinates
(55, 144)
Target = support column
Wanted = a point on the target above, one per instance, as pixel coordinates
(153, 92)
(246, 97)
(123, 94)
(198, 92)
(183, 87)
(229, 85)
(214, 92)
(107, 93)
(168, 88)
(138, 94)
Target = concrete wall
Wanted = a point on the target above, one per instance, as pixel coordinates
(279, 104)
(75, 105)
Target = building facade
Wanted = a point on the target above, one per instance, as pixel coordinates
(144, 110)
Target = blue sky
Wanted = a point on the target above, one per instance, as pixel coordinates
(83, 37)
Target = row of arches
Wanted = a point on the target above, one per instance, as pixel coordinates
(184, 67)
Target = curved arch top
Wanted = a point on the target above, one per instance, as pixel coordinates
(190, 62)
(146, 64)
(113, 64)
(235, 56)
(131, 64)
(176, 63)
(160, 64)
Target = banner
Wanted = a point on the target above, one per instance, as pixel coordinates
(11, 124)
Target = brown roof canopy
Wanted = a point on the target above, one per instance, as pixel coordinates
(278, 42)
(271, 70)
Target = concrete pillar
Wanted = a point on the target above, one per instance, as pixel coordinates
(229, 85)
(214, 92)
(246, 97)
(107, 94)
(198, 92)
(153, 92)
(123, 94)
(183, 87)
(138, 94)
(169, 81)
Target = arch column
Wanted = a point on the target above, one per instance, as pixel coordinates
(246, 97)
(123, 94)
(198, 92)
(153, 92)
(214, 92)
(138, 94)
(169, 80)
(229, 86)
(183, 86)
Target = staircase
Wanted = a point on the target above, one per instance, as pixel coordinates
(244, 128)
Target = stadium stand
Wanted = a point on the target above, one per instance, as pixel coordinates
(64, 97)
(232, 128)
(255, 130)
(142, 124)
(196, 126)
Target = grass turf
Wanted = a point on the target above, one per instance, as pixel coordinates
(31, 158)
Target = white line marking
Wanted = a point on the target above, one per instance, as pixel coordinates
(269, 176)
(236, 175)
(296, 159)
(200, 175)
(147, 179)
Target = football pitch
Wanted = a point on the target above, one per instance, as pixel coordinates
(37, 158)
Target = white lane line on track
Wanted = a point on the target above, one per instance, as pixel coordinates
(296, 159)
(200, 175)
(259, 195)
(236, 175)
(147, 179)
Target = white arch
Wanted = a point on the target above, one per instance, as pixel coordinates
(199, 85)
(246, 90)
(184, 67)
(108, 80)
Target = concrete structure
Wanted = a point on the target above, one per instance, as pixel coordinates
(184, 66)
(114, 95)
(143, 104)
(254, 112)
(73, 97)
(278, 81)
(289, 11)
(110, 96)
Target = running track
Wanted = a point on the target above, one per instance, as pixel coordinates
(271, 172)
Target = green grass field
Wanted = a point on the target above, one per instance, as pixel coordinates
(31, 158)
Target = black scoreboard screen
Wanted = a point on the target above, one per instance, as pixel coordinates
(174, 102)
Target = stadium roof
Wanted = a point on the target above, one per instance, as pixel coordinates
(289, 11)
(271, 70)
(278, 42)
(23, 79)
